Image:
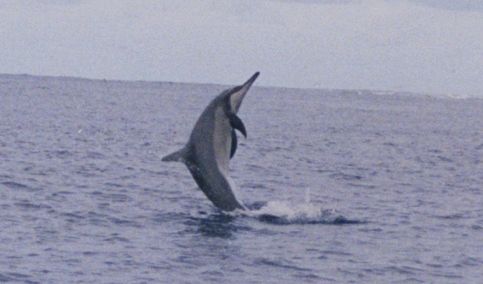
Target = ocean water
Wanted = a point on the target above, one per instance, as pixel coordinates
(346, 186)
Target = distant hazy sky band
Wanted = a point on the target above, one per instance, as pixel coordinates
(421, 46)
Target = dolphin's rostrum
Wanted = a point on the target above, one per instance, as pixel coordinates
(211, 145)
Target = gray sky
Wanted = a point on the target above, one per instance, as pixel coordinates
(432, 46)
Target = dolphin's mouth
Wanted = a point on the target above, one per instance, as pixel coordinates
(250, 81)
(236, 97)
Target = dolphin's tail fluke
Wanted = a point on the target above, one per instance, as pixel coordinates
(178, 156)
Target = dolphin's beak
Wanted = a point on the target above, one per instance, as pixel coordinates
(250, 81)
(236, 97)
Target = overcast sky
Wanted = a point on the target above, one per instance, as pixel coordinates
(431, 46)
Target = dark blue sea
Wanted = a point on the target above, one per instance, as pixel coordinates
(348, 186)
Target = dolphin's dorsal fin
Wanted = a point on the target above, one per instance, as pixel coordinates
(178, 156)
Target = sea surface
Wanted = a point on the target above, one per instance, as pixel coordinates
(348, 186)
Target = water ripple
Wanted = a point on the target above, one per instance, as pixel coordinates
(84, 197)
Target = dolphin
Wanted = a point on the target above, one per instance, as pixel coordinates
(212, 144)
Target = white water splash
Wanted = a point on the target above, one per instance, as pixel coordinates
(287, 213)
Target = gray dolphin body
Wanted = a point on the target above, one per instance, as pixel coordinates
(211, 145)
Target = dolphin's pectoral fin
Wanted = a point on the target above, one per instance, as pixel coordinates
(237, 123)
(234, 143)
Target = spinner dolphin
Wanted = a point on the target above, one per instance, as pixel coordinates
(213, 143)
